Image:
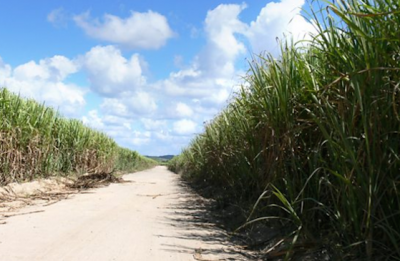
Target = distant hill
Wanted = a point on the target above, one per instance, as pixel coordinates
(161, 158)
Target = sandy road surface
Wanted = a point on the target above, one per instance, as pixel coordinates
(150, 218)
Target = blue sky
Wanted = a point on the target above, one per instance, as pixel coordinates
(148, 73)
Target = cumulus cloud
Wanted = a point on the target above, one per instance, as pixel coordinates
(114, 107)
(53, 69)
(120, 129)
(156, 138)
(93, 120)
(45, 81)
(130, 106)
(185, 127)
(110, 124)
(190, 83)
(139, 138)
(212, 75)
(276, 20)
(183, 110)
(110, 73)
(148, 30)
(178, 108)
(155, 125)
(141, 103)
(5, 70)
(222, 49)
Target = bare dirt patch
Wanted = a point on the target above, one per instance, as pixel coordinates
(16, 196)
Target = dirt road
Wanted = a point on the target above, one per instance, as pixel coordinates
(149, 218)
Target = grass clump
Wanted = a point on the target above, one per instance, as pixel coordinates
(314, 136)
(36, 142)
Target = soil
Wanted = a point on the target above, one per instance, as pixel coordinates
(16, 196)
(151, 215)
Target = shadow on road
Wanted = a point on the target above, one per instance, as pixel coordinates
(193, 219)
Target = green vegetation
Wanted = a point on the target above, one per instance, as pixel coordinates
(129, 161)
(162, 160)
(313, 137)
(35, 142)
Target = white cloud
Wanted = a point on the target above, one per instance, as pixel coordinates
(142, 103)
(149, 30)
(58, 17)
(120, 129)
(164, 143)
(186, 82)
(140, 138)
(155, 125)
(185, 127)
(131, 105)
(275, 20)
(110, 73)
(177, 108)
(178, 61)
(44, 81)
(31, 70)
(212, 75)
(112, 120)
(222, 49)
(5, 70)
(106, 122)
(117, 127)
(219, 97)
(93, 120)
(183, 110)
(194, 32)
(127, 125)
(114, 107)
(53, 69)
